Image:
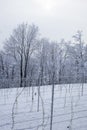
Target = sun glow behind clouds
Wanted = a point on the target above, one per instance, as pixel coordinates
(50, 5)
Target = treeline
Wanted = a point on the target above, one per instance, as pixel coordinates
(27, 59)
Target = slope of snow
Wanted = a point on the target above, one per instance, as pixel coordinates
(70, 108)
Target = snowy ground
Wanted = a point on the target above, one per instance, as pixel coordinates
(70, 108)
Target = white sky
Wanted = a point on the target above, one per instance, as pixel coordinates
(56, 19)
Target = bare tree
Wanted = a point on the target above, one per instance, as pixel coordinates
(80, 61)
(21, 45)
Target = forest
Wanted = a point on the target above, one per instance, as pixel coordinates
(27, 59)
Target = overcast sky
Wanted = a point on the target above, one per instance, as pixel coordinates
(56, 19)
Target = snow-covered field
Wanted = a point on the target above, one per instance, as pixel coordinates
(70, 108)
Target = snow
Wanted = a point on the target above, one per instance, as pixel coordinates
(68, 102)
